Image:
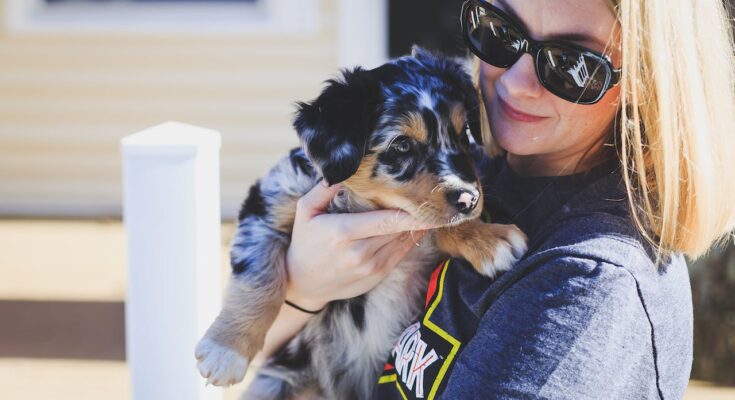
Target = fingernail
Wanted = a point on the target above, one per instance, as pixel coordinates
(324, 183)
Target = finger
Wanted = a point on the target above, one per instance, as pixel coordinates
(382, 222)
(392, 253)
(316, 200)
(371, 245)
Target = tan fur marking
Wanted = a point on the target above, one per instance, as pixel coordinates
(474, 240)
(284, 214)
(415, 127)
(457, 116)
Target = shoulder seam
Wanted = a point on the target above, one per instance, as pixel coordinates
(650, 323)
(653, 338)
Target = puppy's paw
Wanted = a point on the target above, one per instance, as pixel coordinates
(501, 251)
(219, 364)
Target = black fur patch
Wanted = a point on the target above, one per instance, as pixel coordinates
(356, 306)
(298, 359)
(402, 166)
(442, 108)
(432, 165)
(336, 127)
(254, 204)
(241, 266)
(461, 165)
(432, 125)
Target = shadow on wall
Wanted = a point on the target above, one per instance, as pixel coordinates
(713, 286)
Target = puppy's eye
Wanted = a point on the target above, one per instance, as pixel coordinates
(401, 144)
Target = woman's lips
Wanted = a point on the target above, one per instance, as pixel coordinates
(517, 115)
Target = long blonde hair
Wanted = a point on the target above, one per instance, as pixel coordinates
(675, 128)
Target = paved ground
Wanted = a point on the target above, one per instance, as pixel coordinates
(62, 286)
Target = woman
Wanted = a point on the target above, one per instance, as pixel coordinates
(613, 180)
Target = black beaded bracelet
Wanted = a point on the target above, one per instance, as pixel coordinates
(303, 309)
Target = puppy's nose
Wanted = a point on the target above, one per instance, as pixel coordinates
(464, 200)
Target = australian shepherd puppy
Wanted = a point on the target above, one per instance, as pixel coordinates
(396, 137)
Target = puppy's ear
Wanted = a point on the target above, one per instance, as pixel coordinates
(458, 75)
(335, 127)
(456, 71)
(421, 53)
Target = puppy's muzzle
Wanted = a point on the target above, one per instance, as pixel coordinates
(463, 200)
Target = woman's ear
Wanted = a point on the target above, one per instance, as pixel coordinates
(335, 127)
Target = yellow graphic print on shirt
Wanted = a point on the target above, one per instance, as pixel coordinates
(423, 354)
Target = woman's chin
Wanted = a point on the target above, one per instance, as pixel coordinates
(517, 141)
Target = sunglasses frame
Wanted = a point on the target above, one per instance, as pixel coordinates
(533, 47)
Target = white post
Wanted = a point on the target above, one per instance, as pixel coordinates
(172, 219)
(362, 28)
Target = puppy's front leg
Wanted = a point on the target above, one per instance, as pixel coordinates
(490, 248)
(254, 297)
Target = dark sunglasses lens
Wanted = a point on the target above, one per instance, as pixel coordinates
(573, 75)
(492, 38)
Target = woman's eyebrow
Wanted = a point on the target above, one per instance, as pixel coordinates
(569, 37)
(508, 9)
(577, 37)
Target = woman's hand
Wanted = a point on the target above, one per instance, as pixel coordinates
(339, 256)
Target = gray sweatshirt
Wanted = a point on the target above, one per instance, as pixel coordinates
(583, 315)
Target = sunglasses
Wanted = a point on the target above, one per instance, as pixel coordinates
(572, 72)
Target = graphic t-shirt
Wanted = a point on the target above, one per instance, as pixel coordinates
(583, 315)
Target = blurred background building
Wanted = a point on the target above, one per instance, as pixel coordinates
(78, 75)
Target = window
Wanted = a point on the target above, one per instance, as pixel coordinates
(150, 1)
(199, 17)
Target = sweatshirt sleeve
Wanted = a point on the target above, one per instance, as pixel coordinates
(575, 328)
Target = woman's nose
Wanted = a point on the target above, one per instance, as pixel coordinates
(520, 79)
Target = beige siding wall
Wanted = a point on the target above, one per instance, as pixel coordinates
(67, 99)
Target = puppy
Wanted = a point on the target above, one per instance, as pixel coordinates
(395, 136)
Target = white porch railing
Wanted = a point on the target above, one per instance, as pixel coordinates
(172, 219)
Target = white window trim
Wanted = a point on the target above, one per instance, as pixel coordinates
(265, 17)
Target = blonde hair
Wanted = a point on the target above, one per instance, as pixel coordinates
(675, 130)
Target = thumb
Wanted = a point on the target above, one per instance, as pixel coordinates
(316, 200)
